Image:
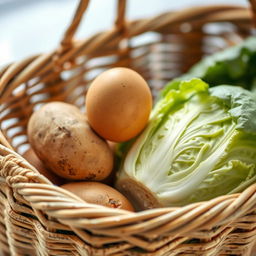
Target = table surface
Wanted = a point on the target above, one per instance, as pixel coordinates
(30, 27)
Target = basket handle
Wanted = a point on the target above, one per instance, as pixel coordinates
(68, 37)
(253, 8)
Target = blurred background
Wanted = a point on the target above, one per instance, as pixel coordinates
(30, 27)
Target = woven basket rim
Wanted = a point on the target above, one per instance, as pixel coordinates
(23, 178)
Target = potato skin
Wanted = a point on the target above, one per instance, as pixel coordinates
(64, 141)
(33, 159)
(98, 193)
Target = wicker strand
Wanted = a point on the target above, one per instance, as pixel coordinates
(253, 8)
(120, 17)
(66, 42)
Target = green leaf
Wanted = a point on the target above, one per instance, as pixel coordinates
(241, 104)
(235, 66)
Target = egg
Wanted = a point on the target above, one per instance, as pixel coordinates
(98, 193)
(33, 159)
(118, 104)
(62, 138)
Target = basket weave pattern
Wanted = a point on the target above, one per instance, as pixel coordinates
(38, 218)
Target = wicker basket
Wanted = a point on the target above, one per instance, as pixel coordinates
(38, 218)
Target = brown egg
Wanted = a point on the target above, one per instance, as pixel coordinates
(62, 138)
(118, 104)
(98, 193)
(33, 159)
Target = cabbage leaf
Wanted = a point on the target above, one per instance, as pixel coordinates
(235, 65)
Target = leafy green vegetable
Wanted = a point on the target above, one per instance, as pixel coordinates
(235, 65)
(241, 104)
(200, 143)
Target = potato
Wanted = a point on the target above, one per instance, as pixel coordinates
(33, 159)
(64, 141)
(98, 193)
(110, 180)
